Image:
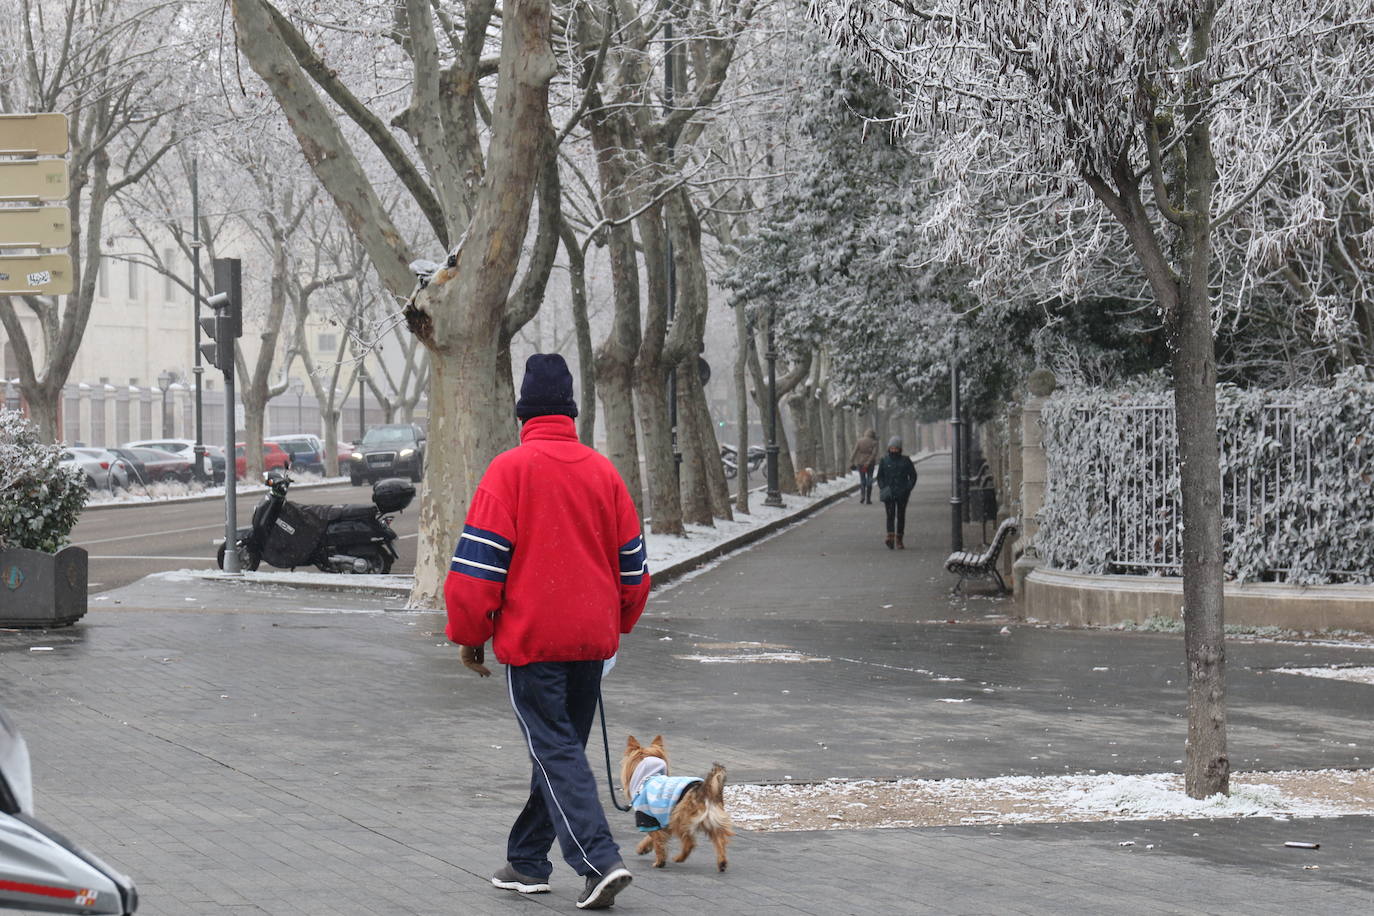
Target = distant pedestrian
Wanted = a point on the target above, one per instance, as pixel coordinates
(896, 480)
(551, 568)
(864, 458)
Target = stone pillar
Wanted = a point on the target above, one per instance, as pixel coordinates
(83, 412)
(111, 405)
(1039, 386)
(177, 401)
(135, 413)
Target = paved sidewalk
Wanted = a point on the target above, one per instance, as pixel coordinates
(336, 762)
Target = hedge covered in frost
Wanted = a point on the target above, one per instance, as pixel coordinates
(39, 499)
(1297, 482)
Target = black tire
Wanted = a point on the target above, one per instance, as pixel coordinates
(417, 475)
(378, 561)
(353, 479)
(248, 558)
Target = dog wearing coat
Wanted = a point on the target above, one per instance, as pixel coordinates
(677, 807)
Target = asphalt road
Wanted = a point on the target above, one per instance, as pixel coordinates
(129, 542)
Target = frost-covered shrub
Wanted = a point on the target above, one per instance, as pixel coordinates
(1297, 471)
(39, 499)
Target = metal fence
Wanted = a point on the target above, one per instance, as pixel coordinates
(1286, 489)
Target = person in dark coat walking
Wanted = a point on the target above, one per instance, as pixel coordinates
(864, 458)
(551, 567)
(896, 479)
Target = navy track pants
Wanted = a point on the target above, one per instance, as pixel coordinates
(555, 704)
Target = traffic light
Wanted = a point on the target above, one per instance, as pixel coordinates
(219, 352)
(226, 324)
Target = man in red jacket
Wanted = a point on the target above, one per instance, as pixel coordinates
(551, 568)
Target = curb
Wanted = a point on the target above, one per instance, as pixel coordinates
(343, 585)
(181, 500)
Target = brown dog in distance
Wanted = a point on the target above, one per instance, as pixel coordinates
(806, 481)
(701, 807)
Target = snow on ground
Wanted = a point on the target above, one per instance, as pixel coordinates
(840, 804)
(388, 583)
(1360, 675)
(175, 491)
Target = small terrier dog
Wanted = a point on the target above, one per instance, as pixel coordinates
(667, 806)
(806, 481)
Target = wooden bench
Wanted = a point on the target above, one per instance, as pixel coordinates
(970, 564)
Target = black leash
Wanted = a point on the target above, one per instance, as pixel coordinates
(606, 743)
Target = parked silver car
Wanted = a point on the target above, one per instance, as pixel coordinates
(186, 448)
(103, 470)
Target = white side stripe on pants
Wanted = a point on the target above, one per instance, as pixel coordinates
(510, 689)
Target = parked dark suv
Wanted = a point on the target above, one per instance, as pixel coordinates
(396, 450)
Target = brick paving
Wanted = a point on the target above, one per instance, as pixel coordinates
(299, 763)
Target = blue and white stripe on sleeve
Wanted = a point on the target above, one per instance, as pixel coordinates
(482, 554)
(634, 565)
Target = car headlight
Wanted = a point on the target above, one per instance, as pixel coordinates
(357, 456)
(407, 452)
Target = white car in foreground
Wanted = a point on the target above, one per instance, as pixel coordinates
(39, 868)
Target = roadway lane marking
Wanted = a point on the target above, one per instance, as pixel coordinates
(152, 534)
(145, 557)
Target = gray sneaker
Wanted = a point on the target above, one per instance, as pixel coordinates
(601, 889)
(507, 878)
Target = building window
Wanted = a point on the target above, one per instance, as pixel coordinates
(169, 286)
(327, 343)
(133, 280)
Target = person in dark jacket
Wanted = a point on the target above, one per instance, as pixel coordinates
(863, 459)
(896, 479)
(551, 567)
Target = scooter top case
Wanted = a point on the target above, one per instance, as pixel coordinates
(40, 870)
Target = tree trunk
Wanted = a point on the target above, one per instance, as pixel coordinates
(1207, 769)
(826, 424)
(651, 385)
(707, 446)
(696, 495)
(460, 317)
(582, 329)
(742, 344)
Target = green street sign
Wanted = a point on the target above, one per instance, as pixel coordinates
(35, 227)
(36, 274)
(33, 179)
(33, 134)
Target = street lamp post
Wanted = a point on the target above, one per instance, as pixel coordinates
(298, 387)
(774, 496)
(956, 492)
(362, 406)
(164, 380)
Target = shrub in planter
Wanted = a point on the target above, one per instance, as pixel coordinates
(41, 583)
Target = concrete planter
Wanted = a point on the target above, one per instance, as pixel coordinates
(42, 590)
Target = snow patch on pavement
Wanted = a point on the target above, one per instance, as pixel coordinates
(839, 804)
(1357, 674)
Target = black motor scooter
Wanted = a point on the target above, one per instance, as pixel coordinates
(342, 539)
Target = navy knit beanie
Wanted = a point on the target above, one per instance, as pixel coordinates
(547, 388)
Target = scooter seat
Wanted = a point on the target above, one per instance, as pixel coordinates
(341, 513)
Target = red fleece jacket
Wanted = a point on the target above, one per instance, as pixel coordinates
(551, 560)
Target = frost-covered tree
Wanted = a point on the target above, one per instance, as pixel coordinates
(451, 104)
(1188, 123)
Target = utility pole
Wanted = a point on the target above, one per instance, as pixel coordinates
(202, 471)
(224, 329)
